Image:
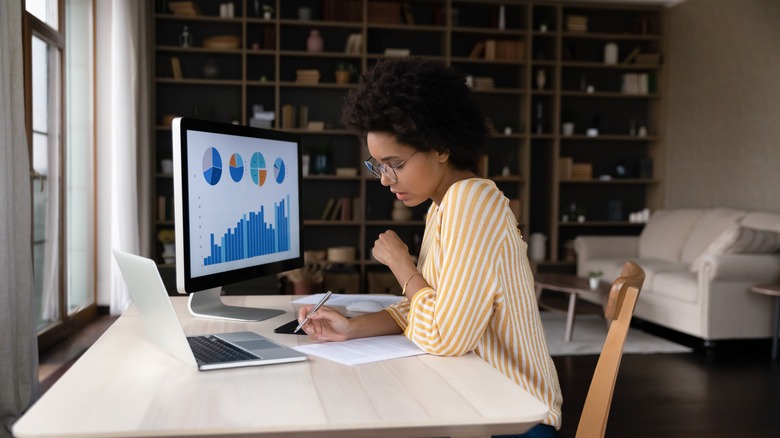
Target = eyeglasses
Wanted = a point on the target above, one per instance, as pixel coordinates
(379, 169)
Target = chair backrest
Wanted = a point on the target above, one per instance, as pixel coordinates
(619, 310)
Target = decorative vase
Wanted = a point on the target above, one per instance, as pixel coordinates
(342, 76)
(541, 78)
(314, 43)
(400, 211)
(610, 53)
(594, 282)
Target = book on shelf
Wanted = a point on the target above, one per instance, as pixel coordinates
(398, 53)
(576, 23)
(354, 44)
(162, 208)
(342, 10)
(564, 167)
(408, 14)
(184, 9)
(483, 83)
(632, 55)
(636, 83)
(482, 166)
(176, 67)
(303, 117)
(384, 12)
(581, 171)
(478, 51)
(288, 116)
(326, 212)
(648, 59)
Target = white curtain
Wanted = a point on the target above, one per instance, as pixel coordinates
(123, 140)
(18, 337)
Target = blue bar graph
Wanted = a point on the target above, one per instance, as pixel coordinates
(253, 236)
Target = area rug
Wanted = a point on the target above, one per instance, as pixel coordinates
(589, 334)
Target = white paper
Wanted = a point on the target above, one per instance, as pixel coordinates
(363, 350)
(341, 301)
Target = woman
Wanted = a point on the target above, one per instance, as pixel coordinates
(472, 289)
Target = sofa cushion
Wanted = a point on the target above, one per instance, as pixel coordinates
(762, 221)
(611, 269)
(680, 285)
(666, 232)
(741, 240)
(711, 225)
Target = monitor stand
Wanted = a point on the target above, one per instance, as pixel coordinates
(208, 304)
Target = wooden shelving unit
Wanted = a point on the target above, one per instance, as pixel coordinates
(262, 71)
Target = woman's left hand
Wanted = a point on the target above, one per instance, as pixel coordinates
(389, 248)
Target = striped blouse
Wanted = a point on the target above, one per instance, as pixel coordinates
(482, 296)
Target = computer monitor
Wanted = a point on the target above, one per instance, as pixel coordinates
(237, 210)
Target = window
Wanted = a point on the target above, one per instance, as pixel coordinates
(58, 69)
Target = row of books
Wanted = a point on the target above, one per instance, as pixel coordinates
(295, 116)
(343, 208)
(577, 23)
(307, 76)
(498, 49)
(342, 10)
(638, 83)
(568, 169)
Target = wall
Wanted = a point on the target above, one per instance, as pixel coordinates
(723, 132)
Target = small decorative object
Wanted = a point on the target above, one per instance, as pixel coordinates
(304, 14)
(594, 277)
(541, 78)
(621, 171)
(344, 72)
(592, 132)
(568, 129)
(185, 38)
(166, 166)
(590, 89)
(538, 251)
(167, 238)
(502, 17)
(581, 218)
(210, 69)
(470, 81)
(643, 131)
(314, 43)
(610, 53)
(255, 45)
(305, 165)
(507, 130)
(539, 111)
(268, 12)
(505, 171)
(400, 211)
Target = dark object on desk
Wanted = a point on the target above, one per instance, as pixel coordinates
(289, 328)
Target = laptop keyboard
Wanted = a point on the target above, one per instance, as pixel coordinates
(210, 349)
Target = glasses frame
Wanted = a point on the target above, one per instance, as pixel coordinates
(379, 169)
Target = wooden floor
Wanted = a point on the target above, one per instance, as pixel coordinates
(732, 390)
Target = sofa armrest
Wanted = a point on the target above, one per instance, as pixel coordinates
(592, 247)
(755, 268)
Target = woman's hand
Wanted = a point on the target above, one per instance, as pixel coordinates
(326, 324)
(389, 248)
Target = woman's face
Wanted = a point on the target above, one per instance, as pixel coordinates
(419, 177)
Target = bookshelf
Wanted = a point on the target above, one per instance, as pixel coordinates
(266, 67)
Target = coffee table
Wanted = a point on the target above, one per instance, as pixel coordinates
(774, 291)
(572, 285)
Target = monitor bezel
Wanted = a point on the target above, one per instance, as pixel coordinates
(185, 283)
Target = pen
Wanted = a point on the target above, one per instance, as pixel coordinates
(313, 309)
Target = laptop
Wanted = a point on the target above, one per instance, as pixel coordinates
(206, 352)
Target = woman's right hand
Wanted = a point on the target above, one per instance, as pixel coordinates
(326, 324)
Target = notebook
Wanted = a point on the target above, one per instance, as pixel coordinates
(236, 349)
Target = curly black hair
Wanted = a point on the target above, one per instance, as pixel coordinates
(422, 103)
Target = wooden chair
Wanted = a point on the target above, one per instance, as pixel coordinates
(619, 310)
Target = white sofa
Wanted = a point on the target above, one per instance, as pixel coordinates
(699, 265)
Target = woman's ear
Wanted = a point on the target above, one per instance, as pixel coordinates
(443, 156)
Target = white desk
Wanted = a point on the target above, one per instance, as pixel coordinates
(124, 385)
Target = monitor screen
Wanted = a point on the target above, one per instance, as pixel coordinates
(237, 198)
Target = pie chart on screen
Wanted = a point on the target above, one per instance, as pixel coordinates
(236, 167)
(279, 170)
(257, 168)
(212, 166)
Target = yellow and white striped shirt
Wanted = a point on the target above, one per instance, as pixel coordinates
(482, 296)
